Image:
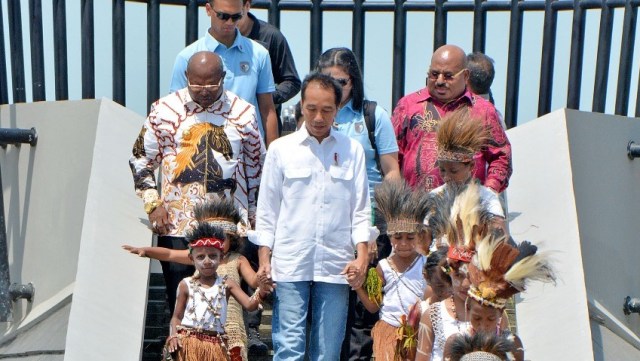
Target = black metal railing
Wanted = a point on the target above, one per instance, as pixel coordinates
(317, 9)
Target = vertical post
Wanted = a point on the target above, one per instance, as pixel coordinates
(439, 25)
(513, 67)
(191, 33)
(274, 13)
(153, 51)
(602, 64)
(479, 26)
(358, 30)
(626, 59)
(38, 90)
(4, 90)
(87, 50)
(60, 49)
(399, 52)
(576, 57)
(119, 60)
(316, 33)
(548, 58)
(17, 56)
(6, 304)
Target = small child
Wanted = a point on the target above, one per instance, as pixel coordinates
(498, 271)
(224, 214)
(197, 326)
(399, 276)
(439, 281)
(459, 138)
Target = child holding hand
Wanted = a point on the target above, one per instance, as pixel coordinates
(397, 282)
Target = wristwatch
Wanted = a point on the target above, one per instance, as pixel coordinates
(151, 206)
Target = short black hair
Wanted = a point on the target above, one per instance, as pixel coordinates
(345, 59)
(481, 72)
(325, 82)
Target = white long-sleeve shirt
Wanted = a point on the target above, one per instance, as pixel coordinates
(313, 206)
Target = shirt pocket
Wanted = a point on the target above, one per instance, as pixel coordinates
(297, 182)
(341, 182)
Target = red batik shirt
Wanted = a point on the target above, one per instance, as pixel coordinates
(415, 122)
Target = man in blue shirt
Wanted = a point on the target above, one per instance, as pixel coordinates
(247, 63)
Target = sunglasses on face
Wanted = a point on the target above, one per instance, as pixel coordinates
(342, 81)
(225, 16)
(197, 88)
(434, 75)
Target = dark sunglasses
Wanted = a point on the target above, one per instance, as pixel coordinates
(224, 16)
(342, 81)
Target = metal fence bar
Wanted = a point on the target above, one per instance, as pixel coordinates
(315, 50)
(191, 33)
(38, 89)
(87, 50)
(513, 66)
(358, 31)
(439, 25)
(576, 57)
(4, 89)
(153, 51)
(399, 51)
(119, 59)
(626, 59)
(479, 26)
(548, 58)
(274, 13)
(60, 49)
(17, 56)
(602, 62)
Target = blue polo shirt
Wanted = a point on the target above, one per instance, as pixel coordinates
(246, 62)
(351, 123)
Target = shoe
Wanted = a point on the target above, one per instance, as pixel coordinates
(255, 345)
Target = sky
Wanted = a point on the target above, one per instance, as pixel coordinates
(378, 51)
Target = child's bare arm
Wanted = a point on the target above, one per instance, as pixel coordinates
(247, 273)
(161, 253)
(248, 303)
(173, 342)
(425, 338)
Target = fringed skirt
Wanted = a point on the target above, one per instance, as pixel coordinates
(385, 338)
(199, 346)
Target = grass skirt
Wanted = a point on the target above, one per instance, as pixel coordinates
(197, 346)
(385, 339)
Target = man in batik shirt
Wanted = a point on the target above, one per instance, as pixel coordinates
(416, 117)
(207, 143)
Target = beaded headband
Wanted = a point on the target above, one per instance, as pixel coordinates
(458, 155)
(460, 254)
(225, 224)
(480, 356)
(488, 299)
(403, 226)
(208, 242)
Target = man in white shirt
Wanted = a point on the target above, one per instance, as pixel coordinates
(313, 213)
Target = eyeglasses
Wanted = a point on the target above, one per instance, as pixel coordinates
(342, 81)
(198, 88)
(225, 16)
(434, 75)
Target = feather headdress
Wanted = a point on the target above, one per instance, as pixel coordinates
(481, 346)
(403, 209)
(219, 212)
(460, 136)
(499, 270)
(468, 220)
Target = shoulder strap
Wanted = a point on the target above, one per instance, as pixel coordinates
(369, 112)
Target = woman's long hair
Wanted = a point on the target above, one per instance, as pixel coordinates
(345, 59)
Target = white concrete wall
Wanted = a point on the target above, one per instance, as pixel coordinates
(575, 190)
(70, 206)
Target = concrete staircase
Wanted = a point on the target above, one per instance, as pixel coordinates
(158, 317)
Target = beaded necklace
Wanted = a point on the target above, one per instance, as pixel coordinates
(455, 314)
(214, 305)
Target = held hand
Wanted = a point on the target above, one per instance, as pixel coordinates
(159, 220)
(173, 344)
(134, 250)
(356, 271)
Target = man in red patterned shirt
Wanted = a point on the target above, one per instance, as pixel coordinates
(416, 117)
